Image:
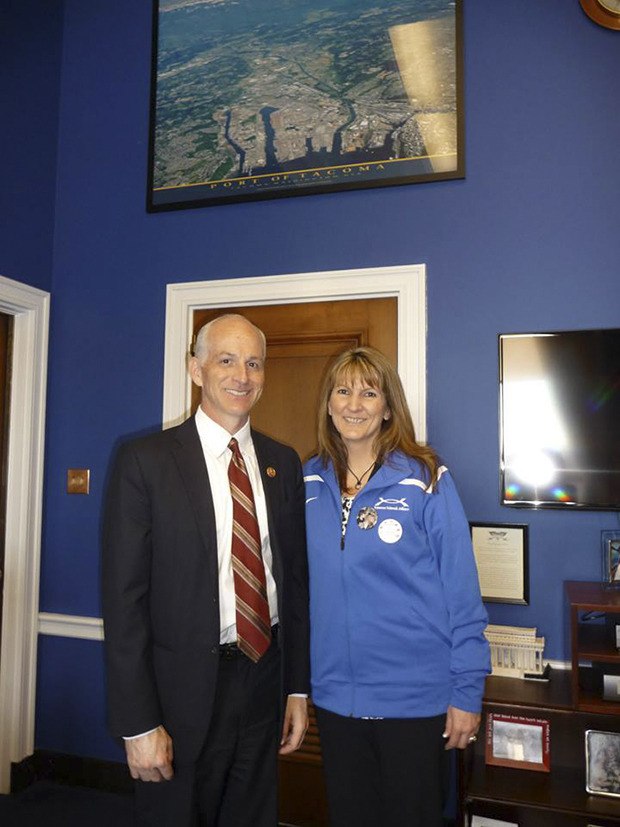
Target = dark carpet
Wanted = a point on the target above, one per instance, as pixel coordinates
(45, 804)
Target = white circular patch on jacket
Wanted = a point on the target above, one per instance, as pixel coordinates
(390, 531)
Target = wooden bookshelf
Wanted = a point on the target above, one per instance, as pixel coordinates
(571, 701)
(593, 611)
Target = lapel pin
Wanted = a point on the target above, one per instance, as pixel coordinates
(271, 472)
(367, 517)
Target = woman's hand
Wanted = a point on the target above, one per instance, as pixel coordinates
(461, 728)
(295, 724)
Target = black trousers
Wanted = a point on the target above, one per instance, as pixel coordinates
(392, 772)
(234, 781)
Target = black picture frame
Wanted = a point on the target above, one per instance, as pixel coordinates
(502, 558)
(257, 100)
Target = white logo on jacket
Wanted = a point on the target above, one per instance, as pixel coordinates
(388, 504)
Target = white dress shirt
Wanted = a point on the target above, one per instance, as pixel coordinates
(214, 440)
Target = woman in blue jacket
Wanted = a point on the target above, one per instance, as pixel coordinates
(398, 652)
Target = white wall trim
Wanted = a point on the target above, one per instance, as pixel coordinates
(73, 626)
(18, 646)
(407, 283)
(91, 628)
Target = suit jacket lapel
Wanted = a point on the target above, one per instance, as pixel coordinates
(267, 465)
(268, 471)
(193, 470)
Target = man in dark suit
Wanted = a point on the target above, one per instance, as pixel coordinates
(197, 705)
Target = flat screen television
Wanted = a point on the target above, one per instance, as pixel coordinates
(560, 419)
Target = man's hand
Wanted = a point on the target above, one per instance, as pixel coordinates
(149, 757)
(460, 727)
(295, 724)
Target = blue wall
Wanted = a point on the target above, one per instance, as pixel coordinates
(30, 43)
(528, 241)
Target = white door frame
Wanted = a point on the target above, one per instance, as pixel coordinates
(407, 283)
(18, 647)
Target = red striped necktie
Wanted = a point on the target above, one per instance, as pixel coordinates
(252, 608)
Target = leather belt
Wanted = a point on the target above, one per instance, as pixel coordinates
(228, 651)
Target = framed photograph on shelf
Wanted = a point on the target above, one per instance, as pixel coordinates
(603, 763)
(263, 100)
(501, 552)
(516, 741)
(611, 687)
(610, 547)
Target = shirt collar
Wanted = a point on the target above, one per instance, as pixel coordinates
(215, 439)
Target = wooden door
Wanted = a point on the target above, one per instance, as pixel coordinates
(301, 341)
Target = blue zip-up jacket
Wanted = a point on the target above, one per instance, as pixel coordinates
(397, 620)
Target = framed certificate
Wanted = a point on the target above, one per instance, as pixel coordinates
(501, 553)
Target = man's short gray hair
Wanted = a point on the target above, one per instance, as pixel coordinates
(201, 345)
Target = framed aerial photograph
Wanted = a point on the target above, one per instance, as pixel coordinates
(501, 552)
(603, 763)
(516, 741)
(255, 99)
(610, 542)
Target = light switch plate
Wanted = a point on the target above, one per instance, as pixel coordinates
(78, 480)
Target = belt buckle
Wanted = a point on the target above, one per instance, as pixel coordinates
(228, 651)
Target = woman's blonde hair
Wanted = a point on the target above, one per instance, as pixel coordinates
(370, 366)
